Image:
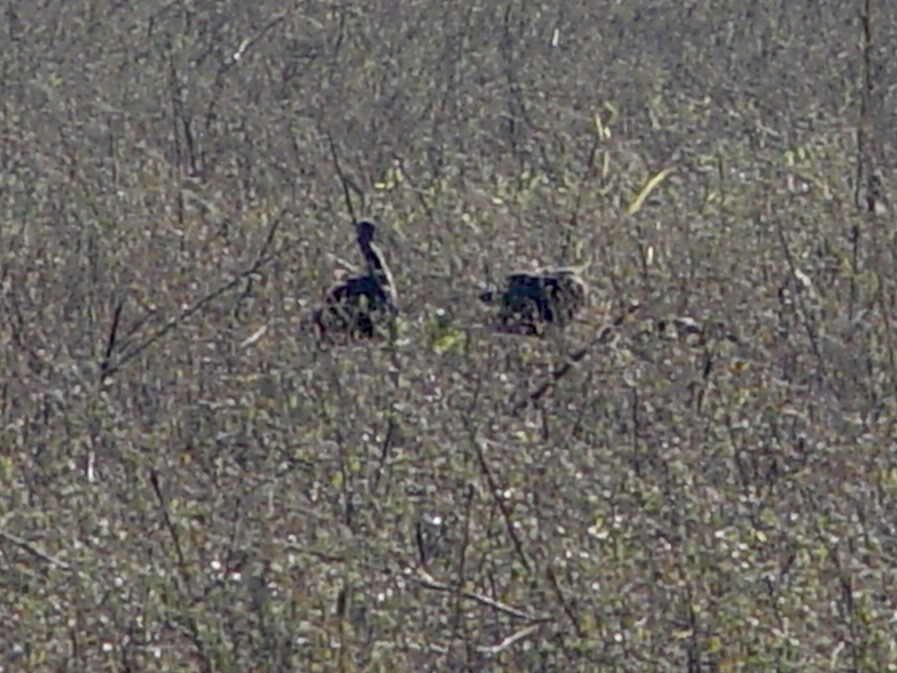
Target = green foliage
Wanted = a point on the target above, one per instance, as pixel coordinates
(190, 483)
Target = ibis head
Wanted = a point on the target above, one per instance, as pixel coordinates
(364, 230)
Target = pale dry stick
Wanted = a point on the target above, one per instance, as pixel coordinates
(507, 642)
(254, 337)
(265, 256)
(428, 582)
(253, 39)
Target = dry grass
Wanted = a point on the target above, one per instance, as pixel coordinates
(189, 483)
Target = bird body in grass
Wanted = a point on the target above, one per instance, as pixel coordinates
(531, 301)
(362, 304)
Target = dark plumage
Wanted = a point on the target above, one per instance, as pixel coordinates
(359, 304)
(530, 301)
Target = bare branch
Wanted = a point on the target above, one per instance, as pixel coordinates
(603, 336)
(34, 551)
(264, 257)
(499, 501)
(345, 180)
(426, 580)
(864, 195)
(799, 299)
(169, 525)
(111, 339)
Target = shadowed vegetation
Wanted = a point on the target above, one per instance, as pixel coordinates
(697, 473)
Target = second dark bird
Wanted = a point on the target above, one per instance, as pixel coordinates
(529, 302)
